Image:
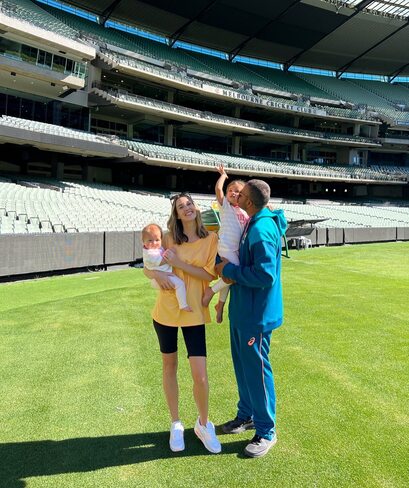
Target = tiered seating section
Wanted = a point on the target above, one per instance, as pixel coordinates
(51, 129)
(122, 61)
(346, 216)
(266, 166)
(33, 14)
(373, 97)
(70, 140)
(366, 94)
(126, 49)
(246, 165)
(291, 82)
(267, 129)
(51, 206)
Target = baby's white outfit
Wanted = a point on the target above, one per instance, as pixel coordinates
(151, 260)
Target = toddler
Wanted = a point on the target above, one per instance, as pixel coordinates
(232, 222)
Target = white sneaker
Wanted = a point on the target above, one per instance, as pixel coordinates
(176, 441)
(207, 435)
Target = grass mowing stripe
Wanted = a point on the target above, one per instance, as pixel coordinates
(16, 294)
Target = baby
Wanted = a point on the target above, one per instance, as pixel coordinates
(152, 254)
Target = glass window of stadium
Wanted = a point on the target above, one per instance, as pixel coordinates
(9, 48)
(13, 106)
(42, 58)
(3, 103)
(80, 70)
(40, 111)
(70, 66)
(45, 59)
(108, 127)
(59, 63)
(43, 110)
(29, 54)
(27, 107)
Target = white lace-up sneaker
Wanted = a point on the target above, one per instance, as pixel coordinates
(176, 441)
(259, 446)
(207, 435)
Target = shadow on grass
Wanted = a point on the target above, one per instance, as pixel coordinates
(20, 460)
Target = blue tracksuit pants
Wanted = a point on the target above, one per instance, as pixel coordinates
(255, 379)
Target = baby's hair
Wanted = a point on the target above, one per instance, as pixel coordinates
(240, 182)
(146, 230)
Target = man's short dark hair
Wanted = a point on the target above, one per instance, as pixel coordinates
(259, 193)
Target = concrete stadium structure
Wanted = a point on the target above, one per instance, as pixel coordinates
(90, 102)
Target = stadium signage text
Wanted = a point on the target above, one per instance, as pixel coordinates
(263, 101)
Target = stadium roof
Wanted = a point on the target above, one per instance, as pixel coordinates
(345, 36)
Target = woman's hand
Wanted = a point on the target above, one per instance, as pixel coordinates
(172, 258)
(164, 282)
(161, 277)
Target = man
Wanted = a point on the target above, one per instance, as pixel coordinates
(255, 310)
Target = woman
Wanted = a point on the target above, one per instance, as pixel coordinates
(191, 251)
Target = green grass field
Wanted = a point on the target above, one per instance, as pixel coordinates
(82, 405)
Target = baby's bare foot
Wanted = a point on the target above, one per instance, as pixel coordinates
(219, 312)
(187, 309)
(208, 295)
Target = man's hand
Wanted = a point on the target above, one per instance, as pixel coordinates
(219, 270)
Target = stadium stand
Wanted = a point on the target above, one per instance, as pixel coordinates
(69, 140)
(291, 82)
(75, 207)
(26, 19)
(386, 173)
(28, 11)
(94, 113)
(358, 94)
(52, 206)
(396, 94)
(174, 111)
(155, 151)
(196, 63)
(255, 96)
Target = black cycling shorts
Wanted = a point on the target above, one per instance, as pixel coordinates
(194, 336)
